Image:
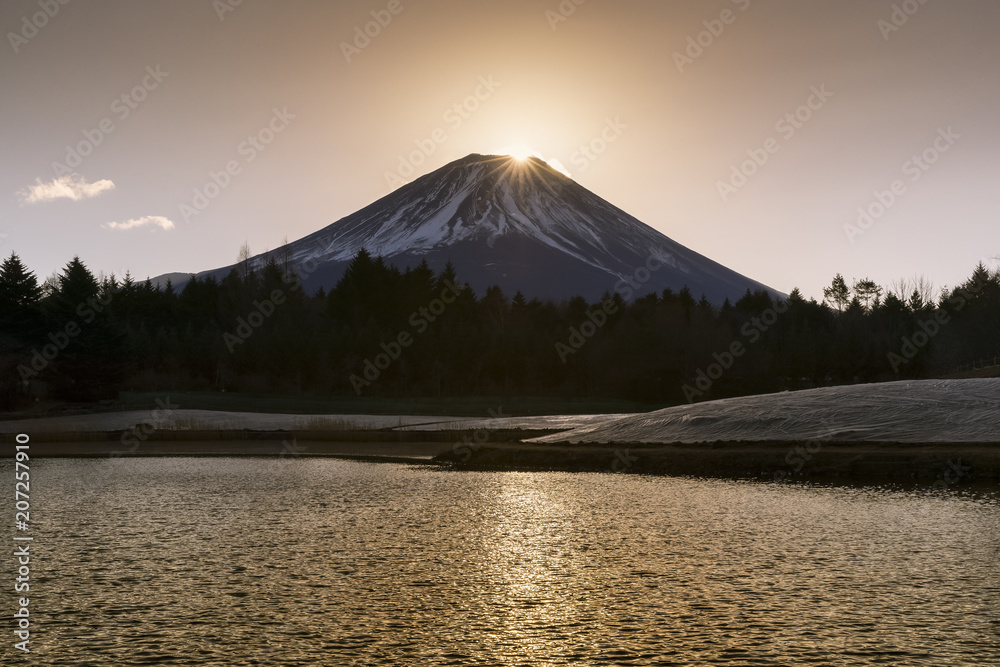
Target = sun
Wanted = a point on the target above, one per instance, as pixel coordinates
(519, 152)
(522, 152)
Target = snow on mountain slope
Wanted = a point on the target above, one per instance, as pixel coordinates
(925, 411)
(519, 224)
(483, 198)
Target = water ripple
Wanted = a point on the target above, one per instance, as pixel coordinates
(267, 562)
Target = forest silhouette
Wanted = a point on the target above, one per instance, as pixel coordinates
(382, 331)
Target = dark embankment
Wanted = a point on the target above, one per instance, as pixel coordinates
(378, 443)
(937, 463)
(841, 461)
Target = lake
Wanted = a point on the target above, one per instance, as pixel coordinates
(317, 561)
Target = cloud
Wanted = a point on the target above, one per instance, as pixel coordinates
(65, 187)
(156, 220)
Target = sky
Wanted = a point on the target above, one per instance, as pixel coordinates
(787, 140)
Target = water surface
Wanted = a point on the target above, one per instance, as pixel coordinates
(229, 561)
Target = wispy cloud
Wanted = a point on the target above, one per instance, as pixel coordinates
(65, 187)
(155, 220)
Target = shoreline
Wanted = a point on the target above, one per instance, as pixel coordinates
(950, 463)
(860, 461)
(286, 449)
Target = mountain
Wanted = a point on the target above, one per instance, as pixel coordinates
(521, 225)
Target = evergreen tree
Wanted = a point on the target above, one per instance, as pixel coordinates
(91, 364)
(20, 325)
(19, 289)
(647, 349)
(837, 293)
(77, 292)
(868, 293)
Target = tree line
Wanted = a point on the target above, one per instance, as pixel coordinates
(382, 331)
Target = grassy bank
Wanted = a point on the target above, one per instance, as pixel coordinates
(459, 406)
(108, 440)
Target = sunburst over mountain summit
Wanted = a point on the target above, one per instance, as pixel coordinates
(519, 224)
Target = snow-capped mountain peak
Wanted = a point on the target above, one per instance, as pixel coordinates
(519, 224)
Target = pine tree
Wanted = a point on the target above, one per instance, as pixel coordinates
(837, 293)
(91, 364)
(78, 289)
(21, 325)
(19, 287)
(868, 293)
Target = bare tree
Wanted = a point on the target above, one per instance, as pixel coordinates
(916, 292)
(51, 285)
(244, 259)
(286, 253)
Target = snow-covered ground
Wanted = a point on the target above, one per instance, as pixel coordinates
(918, 411)
(561, 422)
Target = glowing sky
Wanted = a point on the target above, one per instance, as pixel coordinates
(207, 124)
